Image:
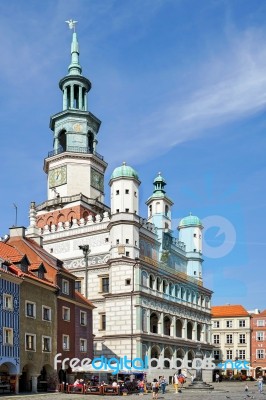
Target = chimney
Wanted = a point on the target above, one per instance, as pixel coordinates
(17, 231)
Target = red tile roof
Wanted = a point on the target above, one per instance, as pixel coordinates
(81, 299)
(229, 311)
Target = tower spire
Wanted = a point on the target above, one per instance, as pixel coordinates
(74, 67)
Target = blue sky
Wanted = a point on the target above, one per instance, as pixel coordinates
(180, 87)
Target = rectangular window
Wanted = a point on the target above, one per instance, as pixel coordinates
(66, 313)
(83, 345)
(242, 338)
(216, 324)
(216, 354)
(83, 318)
(242, 323)
(127, 191)
(104, 284)
(260, 336)
(7, 301)
(46, 344)
(260, 322)
(229, 354)
(229, 339)
(102, 322)
(66, 342)
(216, 339)
(117, 192)
(46, 313)
(65, 286)
(30, 342)
(229, 324)
(78, 286)
(8, 336)
(242, 354)
(30, 309)
(260, 353)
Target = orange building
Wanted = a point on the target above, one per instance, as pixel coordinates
(258, 343)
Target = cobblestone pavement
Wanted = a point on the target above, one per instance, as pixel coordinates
(222, 391)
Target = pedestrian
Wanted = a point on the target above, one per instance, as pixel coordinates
(176, 382)
(260, 383)
(162, 383)
(155, 389)
(217, 378)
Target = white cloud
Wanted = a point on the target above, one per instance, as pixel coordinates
(229, 87)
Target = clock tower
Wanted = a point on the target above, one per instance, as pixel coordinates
(75, 171)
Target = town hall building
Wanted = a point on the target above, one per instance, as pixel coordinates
(146, 283)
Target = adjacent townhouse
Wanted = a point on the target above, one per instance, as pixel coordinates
(258, 343)
(9, 328)
(231, 334)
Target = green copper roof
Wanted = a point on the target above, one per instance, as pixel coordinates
(74, 68)
(124, 171)
(159, 191)
(190, 220)
(159, 179)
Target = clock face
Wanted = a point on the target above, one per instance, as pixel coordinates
(77, 127)
(57, 176)
(97, 180)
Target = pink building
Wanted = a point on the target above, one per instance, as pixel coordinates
(258, 343)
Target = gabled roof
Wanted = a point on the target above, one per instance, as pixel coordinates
(14, 255)
(229, 311)
(9, 253)
(261, 314)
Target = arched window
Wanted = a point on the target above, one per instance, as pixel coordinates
(189, 330)
(154, 323)
(90, 142)
(199, 329)
(166, 326)
(62, 140)
(178, 328)
(151, 281)
(165, 286)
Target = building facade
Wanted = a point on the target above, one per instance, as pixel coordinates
(43, 316)
(9, 325)
(258, 343)
(145, 282)
(231, 334)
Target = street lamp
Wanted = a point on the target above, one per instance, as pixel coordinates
(86, 251)
(131, 307)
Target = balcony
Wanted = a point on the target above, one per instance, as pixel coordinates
(74, 149)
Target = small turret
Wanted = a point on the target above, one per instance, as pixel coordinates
(190, 232)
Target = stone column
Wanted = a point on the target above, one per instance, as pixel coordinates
(184, 329)
(172, 328)
(85, 101)
(17, 384)
(72, 96)
(80, 98)
(65, 98)
(34, 383)
(160, 324)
